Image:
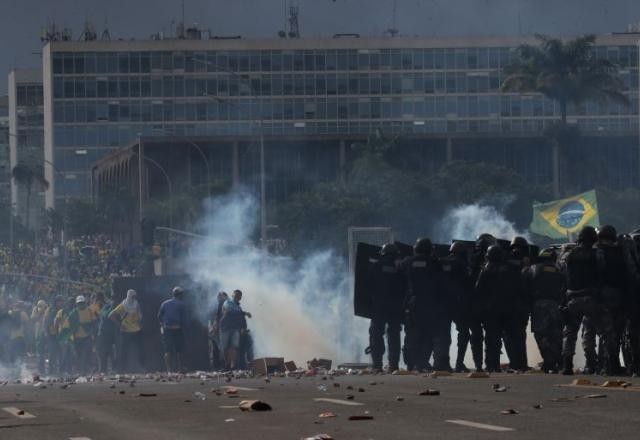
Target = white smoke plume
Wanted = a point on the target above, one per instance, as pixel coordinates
(301, 309)
(466, 222)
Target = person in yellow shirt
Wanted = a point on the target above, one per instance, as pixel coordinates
(128, 316)
(83, 321)
(64, 336)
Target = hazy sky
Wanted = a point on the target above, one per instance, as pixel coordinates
(22, 20)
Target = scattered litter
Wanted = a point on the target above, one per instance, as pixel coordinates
(20, 412)
(319, 363)
(361, 418)
(318, 437)
(349, 387)
(254, 405)
(361, 390)
(561, 399)
(508, 411)
(500, 389)
(538, 406)
(199, 395)
(187, 401)
(81, 379)
(290, 366)
(336, 385)
(579, 382)
(327, 415)
(64, 386)
(231, 390)
(350, 397)
(478, 375)
(229, 420)
(122, 392)
(322, 388)
(147, 395)
(429, 393)
(373, 383)
(616, 384)
(592, 396)
(399, 399)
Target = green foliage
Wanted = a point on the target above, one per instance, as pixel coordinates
(28, 176)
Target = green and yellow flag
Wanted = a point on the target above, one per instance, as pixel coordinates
(560, 218)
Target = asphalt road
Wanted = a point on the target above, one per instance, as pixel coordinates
(98, 410)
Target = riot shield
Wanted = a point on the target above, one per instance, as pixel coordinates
(366, 255)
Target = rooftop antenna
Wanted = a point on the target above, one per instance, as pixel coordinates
(183, 22)
(393, 31)
(106, 35)
(294, 28)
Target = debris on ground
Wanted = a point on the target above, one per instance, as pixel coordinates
(229, 420)
(581, 382)
(20, 412)
(349, 387)
(361, 418)
(81, 379)
(254, 405)
(199, 395)
(478, 375)
(121, 392)
(616, 384)
(336, 385)
(322, 388)
(350, 397)
(538, 406)
(373, 383)
(361, 390)
(443, 373)
(231, 390)
(147, 395)
(319, 363)
(508, 411)
(318, 437)
(592, 396)
(327, 415)
(399, 399)
(429, 392)
(500, 389)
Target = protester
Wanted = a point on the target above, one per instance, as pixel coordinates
(128, 316)
(37, 321)
(106, 338)
(172, 317)
(232, 323)
(83, 322)
(19, 321)
(216, 355)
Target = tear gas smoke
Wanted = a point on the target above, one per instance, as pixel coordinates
(301, 309)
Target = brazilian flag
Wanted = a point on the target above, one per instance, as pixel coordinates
(560, 218)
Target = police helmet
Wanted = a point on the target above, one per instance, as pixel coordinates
(607, 232)
(484, 241)
(494, 253)
(588, 235)
(457, 248)
(423, 246)
(519, 243)
(389, 249)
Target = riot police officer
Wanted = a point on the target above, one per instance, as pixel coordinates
(582, 277)
(458, 271)
(386, 284)
(545, 286)
(428, 307)
(520, 259)
(498, 289)
(615, 289)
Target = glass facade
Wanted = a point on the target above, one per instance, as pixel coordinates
(104, 100)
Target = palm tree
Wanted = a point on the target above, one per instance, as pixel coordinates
(568, 73)
(25, 175)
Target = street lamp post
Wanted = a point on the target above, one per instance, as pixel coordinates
(166, 176)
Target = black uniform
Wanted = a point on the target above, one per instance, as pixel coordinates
(583, 302)
(516, 344)
(499, 291)
(386, 284)
(458, 276)
(615, 295)
(428, 313)
(545, 287)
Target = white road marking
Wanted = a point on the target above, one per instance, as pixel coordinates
(339, 401)
(480, 425)
(240, 388)
(14, 412)
(79, 438)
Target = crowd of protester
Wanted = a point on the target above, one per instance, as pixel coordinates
(54, 302)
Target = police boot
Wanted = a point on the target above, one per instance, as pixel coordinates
(567, 366)
(461, 367)
(591, 366)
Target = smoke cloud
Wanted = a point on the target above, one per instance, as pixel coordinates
(301, 309)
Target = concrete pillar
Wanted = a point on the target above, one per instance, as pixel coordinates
(449, 150)
(342, 162)
(235, 164)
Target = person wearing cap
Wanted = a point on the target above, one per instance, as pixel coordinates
(82, 321)
(172, 317)
(18, 320)
(128, 316)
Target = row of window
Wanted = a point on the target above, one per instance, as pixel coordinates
(90, 111)
(29, 95)
(119, 135)
(304, 60)
(285, 84)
